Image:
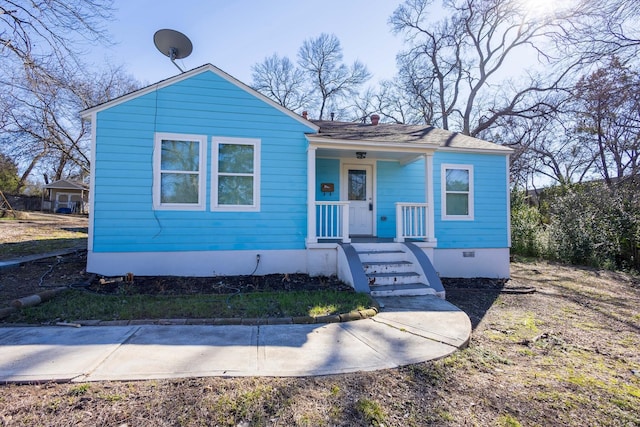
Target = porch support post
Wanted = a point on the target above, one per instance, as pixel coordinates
(311, 195)
(431, 234)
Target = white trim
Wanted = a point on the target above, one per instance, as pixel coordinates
(443, 192)
(256, 143)
(202, 171)
(485, 262)
(395, 147)
(497, 151)
(92, 182)
(187, 74)
(428, 164)
(409, 147)
(311, 195)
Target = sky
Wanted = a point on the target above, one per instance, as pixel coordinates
(233, 35)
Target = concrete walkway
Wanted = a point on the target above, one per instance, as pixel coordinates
(14, 262)
(407, 330)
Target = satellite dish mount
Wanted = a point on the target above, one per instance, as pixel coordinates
(173, 44)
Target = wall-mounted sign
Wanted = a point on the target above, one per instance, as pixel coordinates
(327, 187)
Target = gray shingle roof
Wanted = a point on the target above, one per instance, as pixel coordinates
(400, 133)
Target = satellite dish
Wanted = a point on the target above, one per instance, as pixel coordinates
(173, 44)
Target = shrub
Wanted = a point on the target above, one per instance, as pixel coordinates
(586, 224)
(595, 225)
(527, 230)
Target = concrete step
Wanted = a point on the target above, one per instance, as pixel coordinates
(387, 267)
(381, 256)
(393, 278)
(409, 289)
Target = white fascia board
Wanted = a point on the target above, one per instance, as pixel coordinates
(345, 144)
(501, 150)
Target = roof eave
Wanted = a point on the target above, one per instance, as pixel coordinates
(498, 150)
(402, 146)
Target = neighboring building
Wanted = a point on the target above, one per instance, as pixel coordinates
(65, 196)
(200, 175)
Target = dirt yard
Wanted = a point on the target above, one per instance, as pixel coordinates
(566, 354)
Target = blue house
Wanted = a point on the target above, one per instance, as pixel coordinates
(200, 175)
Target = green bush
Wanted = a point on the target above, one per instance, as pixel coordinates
(585, 224)
(527, 230)
(592, 224)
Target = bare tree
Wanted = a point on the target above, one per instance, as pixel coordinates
(43, 82)
(42, 126)
(388, 101)
(330, 78)
(606, 104)
(279, 79)
(36, 34)
(603, 28)
(452, 67)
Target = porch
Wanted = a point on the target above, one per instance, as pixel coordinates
(366, 181)
(371, 208)
(332, 224)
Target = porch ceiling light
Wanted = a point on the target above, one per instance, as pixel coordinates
(361, 154)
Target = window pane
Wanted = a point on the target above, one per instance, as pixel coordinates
(234, 158)
(179, 188)
(235, 190)
(457, 180)
(180, 155)
(357, 186)
(457, 204)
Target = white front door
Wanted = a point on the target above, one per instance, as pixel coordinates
(359, 193)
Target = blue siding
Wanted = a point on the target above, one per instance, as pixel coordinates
(328, 170)
(205, 104)
(488, 229)
(405, 183)
(394, 183)
(397, 183)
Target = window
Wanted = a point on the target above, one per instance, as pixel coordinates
(236, 176)
(357, 187)
(457, 191)
(179, 172)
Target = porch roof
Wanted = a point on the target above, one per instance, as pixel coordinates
(64, 184)
(401, 134)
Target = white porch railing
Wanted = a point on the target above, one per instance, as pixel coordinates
(412, 221)
(332, 220)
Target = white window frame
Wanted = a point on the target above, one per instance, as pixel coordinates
(215, 143)
(157, 172)
(443, 189)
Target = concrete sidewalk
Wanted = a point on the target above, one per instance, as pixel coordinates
(407, 330)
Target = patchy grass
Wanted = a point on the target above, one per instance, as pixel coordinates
(370, 411)
(80, 305)
(54, 242)
(40, 233)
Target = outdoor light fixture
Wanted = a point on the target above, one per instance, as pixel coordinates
(361, 154)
